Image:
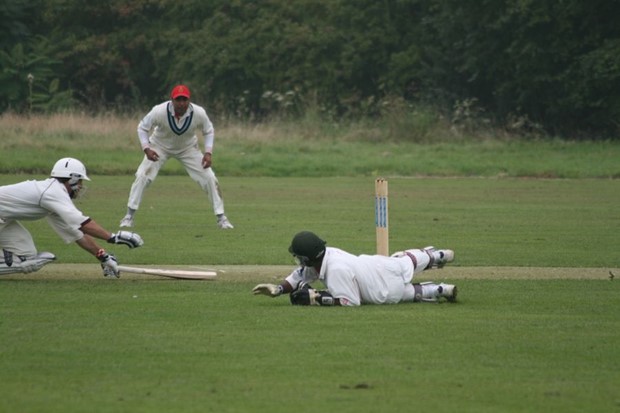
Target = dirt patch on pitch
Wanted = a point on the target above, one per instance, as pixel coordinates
(275, 273)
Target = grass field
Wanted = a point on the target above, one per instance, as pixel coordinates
(141, 344)
(489, 222)
(535, 329)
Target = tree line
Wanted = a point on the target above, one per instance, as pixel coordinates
(544, 65)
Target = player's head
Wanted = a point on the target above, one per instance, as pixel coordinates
(70, 171)
(180, 91)
(307, 248)
(180, 99)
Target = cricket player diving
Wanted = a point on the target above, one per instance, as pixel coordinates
(354, 280)
(52, 198)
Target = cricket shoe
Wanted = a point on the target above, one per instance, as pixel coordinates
(439, 258)
(447, 291)
(224, 223)
(126, 222)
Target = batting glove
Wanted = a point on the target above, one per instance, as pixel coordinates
(271, 290)
(109, 265)
(131, 239)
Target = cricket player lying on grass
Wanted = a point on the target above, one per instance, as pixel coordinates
(354, 280)
(52, 199)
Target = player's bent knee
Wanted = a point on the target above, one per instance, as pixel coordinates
(143, 179)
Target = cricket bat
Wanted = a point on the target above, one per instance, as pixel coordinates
(180, 274)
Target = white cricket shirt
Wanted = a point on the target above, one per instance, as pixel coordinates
(33, 200)
(177, 135)
(356, 280)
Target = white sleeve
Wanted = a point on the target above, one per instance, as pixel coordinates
(143, 135)
(63, 216)
(65, 230)
(209, 141)
(295, 278)
(209, 134)
(302, 274)
(144, 129)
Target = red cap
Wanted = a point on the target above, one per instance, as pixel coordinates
(180, 90)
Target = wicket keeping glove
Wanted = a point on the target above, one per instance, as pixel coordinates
(309, 296)
(131, 239)
(271, 290)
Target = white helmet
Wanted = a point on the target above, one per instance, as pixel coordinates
(69, 168)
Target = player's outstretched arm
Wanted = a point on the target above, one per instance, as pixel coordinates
(109, 264)
(130, 239)
(272, 290)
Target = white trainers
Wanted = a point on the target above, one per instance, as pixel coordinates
(224, 223)
(439, 257)
(428, 291)
(127, 221)
(46, 256)
(448, 291)
(445, 256)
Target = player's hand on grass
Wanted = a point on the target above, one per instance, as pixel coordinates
(109, 264)
(271, 290)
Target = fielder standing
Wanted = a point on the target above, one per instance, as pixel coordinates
(52, 199)
(354, 280)
(172, 126)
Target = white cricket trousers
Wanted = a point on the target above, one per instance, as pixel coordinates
(191, 159)
(14, 237)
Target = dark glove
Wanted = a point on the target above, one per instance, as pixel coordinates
(307, 295)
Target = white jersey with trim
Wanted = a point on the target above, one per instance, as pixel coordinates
(363, 279)
(177, 135)
(32, 200)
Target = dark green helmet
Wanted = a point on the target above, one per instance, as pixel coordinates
(308, 248)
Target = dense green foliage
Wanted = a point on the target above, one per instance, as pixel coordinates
(529, 66)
